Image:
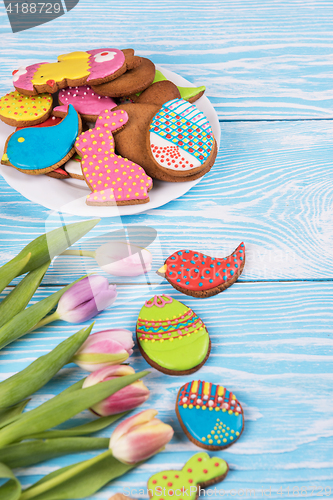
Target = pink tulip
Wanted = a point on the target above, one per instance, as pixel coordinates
(85, 299)
(138, 438)
(106, 348)
(126, 399)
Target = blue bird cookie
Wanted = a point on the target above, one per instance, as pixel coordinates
(209, 414)
(39, 150)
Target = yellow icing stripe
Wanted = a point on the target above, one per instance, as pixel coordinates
(194, 387)
(206, 388)
(220, 390)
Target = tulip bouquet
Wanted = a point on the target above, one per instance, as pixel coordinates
(109, 391)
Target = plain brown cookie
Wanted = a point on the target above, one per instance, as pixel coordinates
(133, 81)
(133, 142)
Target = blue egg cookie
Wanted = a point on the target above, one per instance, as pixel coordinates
(209, 414)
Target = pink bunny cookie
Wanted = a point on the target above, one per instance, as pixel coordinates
(86, 102)
(76, 68)
(113, 180)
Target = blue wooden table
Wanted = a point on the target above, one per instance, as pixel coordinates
(268, 71)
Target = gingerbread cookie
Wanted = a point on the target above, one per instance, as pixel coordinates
(85, 100)
(173, 143)
(58, 173)
(76, 68)
(159, 93)
(73, 167)
(199, 471)
(38, 150)
(209, 414)
(171, 337)
(190, 94)
(199, 275)
(50, 122)
(112, 179)
(131, 82)
(23, 111)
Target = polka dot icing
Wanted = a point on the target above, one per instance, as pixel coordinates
(84, 100)
(181, 137)
(201, 272)
(214, 418)
(111, 178)
(21, 108)
(198, 470)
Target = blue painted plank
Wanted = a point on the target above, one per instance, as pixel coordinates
(271, 345)
(270, 186)
(258, 61)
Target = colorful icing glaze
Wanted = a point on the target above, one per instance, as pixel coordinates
(38, 148)
(89, 66)
(181, 137)
(210, 414)
(198, 470)
(111, 178)
(186, 93)
(195, 271)
(84, 100)
(23, 108)
(50, 122)
(171, 334)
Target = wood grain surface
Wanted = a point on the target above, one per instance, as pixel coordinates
(267, 67)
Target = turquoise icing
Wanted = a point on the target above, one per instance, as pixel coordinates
(43, 147)
(210, 427)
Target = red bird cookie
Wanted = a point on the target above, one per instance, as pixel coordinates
(199, 275)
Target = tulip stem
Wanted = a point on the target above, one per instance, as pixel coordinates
(80, 253)
(66, 475)
(45, 321)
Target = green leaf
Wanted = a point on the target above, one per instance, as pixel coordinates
(12, 489)
(78, 481)
(38, 373)
(7, 274)
(8, 415)
(32, 452)
(80, 430)
(19, 297)
(25, 321)
(64, 406)
(44, 248)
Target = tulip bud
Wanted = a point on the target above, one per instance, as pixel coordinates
(126, 399)
(122, 259)
(106, 348)
(85, 299)
(138, 438)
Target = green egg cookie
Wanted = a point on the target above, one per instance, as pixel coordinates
(171, 337)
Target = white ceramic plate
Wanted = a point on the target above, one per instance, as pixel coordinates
(68, 196)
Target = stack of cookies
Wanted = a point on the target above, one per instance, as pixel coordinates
(108, 117)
